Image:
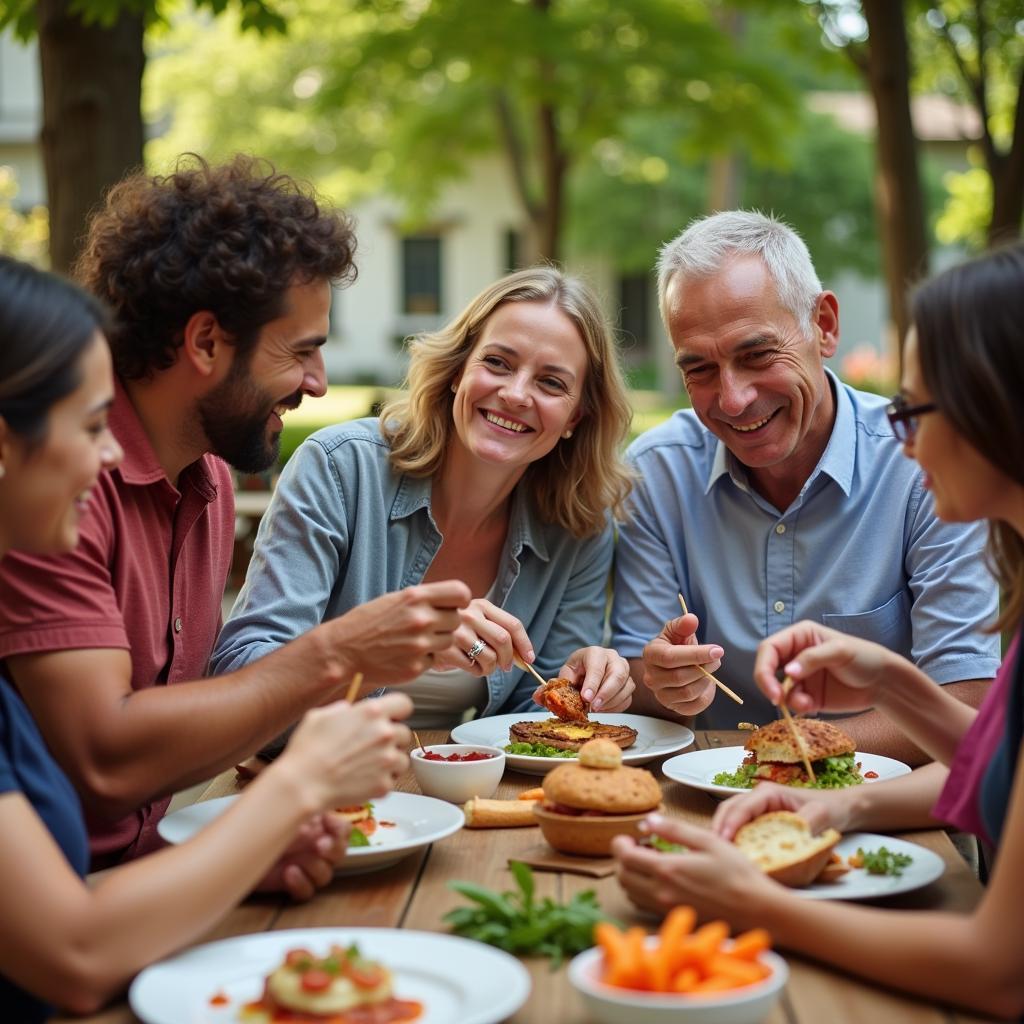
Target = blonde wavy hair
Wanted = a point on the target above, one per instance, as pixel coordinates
(582, 477)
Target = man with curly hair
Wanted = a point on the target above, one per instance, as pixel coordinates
(219, 280)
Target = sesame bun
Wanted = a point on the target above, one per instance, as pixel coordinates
(775, 742)
(607, 787)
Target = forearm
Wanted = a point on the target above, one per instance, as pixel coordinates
(78, 945)
(936, 718)
(896, 804)
(132, 747)
(943, 957)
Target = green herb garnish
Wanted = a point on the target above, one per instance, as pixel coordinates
(517, 923)
(357, 837)
(663, 845)
(884, 862)
(537, 750)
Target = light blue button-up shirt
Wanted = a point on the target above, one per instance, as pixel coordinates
(860, 549)
(344, 528)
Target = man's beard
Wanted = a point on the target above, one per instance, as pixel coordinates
(234, 418)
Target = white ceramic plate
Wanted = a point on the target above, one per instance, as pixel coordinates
(418, 820)
(697, 768)
(857, 884)
(655, 738)
(455, 979)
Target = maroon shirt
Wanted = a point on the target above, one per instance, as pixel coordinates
(147, 576)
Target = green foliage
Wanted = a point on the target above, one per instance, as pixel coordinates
(258, 15)
(518, 923)
(399, 95)
(24, 235)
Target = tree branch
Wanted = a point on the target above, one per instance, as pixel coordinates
(516, 153)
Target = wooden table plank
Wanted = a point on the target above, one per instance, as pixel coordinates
(414, 894)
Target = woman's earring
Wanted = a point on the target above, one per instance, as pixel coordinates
(567, 434)
(455, 387)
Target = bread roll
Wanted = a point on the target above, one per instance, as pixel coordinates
(781, 844)
(498, 813)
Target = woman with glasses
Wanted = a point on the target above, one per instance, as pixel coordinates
(62, 941)
(959, 416)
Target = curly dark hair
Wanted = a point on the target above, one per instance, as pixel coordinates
(230, 239)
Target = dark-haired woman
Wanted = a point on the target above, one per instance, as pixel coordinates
(62, 942)
(958, 415)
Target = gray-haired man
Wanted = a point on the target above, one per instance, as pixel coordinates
(783, 495)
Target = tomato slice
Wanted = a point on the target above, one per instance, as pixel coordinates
(298, 957)
(316, 980)
(365, 975)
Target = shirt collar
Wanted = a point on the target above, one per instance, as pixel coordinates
(837, 461)
(524, 530)
(140, 466)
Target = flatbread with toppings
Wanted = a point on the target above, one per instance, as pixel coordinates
(570, 735)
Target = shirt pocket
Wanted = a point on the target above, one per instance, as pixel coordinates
(888, 625)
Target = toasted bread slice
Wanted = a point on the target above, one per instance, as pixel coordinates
(563, 700)
(570, 735)
(781, 844)
(775, 742)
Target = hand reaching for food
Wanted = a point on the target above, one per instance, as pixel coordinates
(600, 675)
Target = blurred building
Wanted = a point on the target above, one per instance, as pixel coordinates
(414, 281)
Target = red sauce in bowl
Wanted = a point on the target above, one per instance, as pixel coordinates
(473, 755)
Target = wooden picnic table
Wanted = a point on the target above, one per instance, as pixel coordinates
(413, 894)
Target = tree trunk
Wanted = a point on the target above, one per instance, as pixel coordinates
(92, 120)
(1008, 181)
(898, 193)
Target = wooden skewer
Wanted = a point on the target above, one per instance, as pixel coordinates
(529, 668)
(718, 682)
(419, 742)
(353, 687)
(787, 685)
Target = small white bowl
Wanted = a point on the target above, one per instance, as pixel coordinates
(607, 1004)
(458, 781)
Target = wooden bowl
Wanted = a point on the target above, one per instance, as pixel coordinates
(588, 836)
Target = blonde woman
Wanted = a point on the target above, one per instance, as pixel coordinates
(498, 465)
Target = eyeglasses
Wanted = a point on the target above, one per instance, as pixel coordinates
(904, 417)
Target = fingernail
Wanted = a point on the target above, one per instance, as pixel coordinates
(596, 706)
(588, 694)
(655, 820)
(793, 668)
(530, 655)
(717, 652)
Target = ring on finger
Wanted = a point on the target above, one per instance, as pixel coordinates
(476, 649)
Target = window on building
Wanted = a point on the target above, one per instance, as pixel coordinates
(421, 274)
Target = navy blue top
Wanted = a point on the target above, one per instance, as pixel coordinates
(26, 766)
(996, 784)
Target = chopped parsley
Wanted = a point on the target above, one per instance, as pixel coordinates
(883, 861)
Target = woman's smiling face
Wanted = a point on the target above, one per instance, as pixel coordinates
(49, 484)
(522, 385)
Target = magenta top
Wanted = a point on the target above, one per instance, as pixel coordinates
(959, 802)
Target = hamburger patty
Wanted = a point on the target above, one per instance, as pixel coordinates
(570, 735)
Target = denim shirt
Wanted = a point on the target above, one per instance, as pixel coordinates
(860, 549)
(343, 528)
